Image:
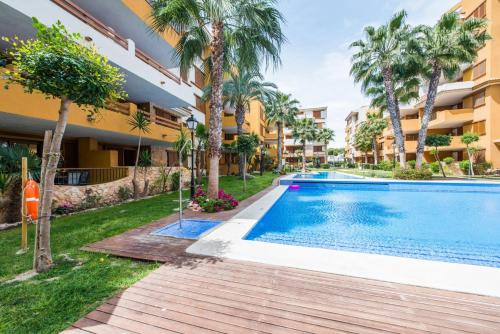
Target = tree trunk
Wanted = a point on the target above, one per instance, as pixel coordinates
(229, 163)
(135, 184)
(426, 117)
(244, 172)
(280, 130)
(304, 157)
(439, 162)
(471, 167)
(375, 151)
(43, 254)
(198, 165)
(215, 124)
(393, 108)
(239, 115)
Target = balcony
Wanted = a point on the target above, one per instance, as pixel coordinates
(410, 125)
(450, 118)
(89, 176)
(229, 125)
(449, 94)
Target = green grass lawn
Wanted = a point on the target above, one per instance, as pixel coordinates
(367, 172)
(80, 281)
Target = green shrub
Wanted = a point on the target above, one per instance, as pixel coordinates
(310, 165)
(448, 160)
(480, 168)
(464, 166)
(412, 174)
(434, 166)
(124, 193)
(385, 165)
(175, 181)
(338, 164)
(325, 166)
(411, 163)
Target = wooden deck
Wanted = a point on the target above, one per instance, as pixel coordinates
(229, 296)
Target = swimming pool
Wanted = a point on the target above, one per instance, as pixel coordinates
(450, 223)
(325, 175)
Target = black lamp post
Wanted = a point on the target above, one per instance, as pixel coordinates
(191, 123)
(262, 148)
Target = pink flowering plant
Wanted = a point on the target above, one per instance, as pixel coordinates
(223, 202)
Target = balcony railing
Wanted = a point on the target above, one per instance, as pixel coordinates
(89, 176)
(153, 63)
(120, 107)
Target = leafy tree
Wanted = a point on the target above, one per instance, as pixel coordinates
(436, 141)
(281, 110)
(381, 54)
(246, 146)
(304, 131)
(145, 162)
(183, 146)
(58, 65)
(241, 89)
(140, 122)
(363, 139)
(443, 48)
(201, 135)
(375, 126)
(468, 139)
(247, 30)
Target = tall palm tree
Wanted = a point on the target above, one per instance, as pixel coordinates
(241, 89)
(281, 111)
(444, 47)
(325, 135)
(249, 30)
(201, 135)
(140, 122)
(304, 131)
(383, 50)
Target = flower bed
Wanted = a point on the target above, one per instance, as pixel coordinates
(223, 202)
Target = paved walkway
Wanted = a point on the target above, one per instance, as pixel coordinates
(207, 295)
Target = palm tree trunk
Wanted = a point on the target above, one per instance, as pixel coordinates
(426, 117)
(43, 254)
(304, 157)
(135, 184)
(239, 114)
(375, 151)
(215, 124)
(280, 130)
(393, 108)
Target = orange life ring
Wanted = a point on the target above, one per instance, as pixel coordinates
(31, 197)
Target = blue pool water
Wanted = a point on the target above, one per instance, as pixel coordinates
(325, 175)
(452, 225)
(191, 229)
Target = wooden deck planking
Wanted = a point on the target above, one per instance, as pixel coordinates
(228, 296)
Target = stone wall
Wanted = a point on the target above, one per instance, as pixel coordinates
(108, 192)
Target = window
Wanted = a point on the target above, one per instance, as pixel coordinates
(317, 113)
(479, 12)
(479, 128)
(412, 137)
(199, 77)
(479, 70)
(479, 99)
(184, 76)
(318, 148)
(228, 136)
(200, 105)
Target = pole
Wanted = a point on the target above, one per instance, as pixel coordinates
(24, 222)
(192, 164)
(261, 161)
(180, 188)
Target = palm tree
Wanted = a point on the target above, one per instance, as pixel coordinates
(248, 30)
(304, 131)
(182, 146)
(375, 126)
(138, 121)
(450, 43)
(229, 149)
(281, 111)
(201, 135)
(325, 135)
(238, 91)
(381, 53)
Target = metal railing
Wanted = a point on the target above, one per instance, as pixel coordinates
(89, 176)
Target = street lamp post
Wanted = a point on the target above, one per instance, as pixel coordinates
(262, 147)
(191, 123)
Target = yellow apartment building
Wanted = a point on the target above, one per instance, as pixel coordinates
(154, 84)
(470, 103)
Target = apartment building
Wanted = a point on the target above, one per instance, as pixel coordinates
(470, 103)
(353, 119)
(313, 149)
(120, 30)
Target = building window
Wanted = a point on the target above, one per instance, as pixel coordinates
(184, 76)
(318, 148)
(228, 136)
(479, 12)
(479, 70)
(479, 128)
(199, 77)
(200, 105)
(317, 113)
(412, 137)
(479, 99)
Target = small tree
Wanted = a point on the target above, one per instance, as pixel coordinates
(140, 122)
(201, 135)
(183, 146)
(145, 162)
(304, 131)
(230, 149)
(246, 145)
(363, 139)
(467, 139)
(56, 64)
(436, 141)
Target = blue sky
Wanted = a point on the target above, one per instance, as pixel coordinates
(316, 59)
